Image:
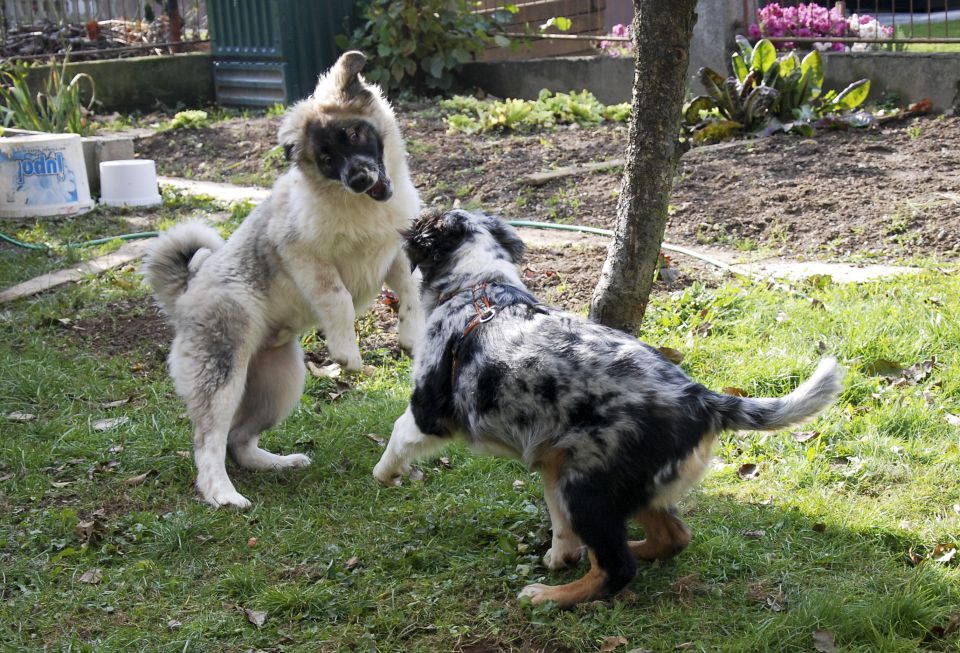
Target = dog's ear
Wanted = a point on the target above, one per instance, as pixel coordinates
(434, 236)
(506, 236)
(345, 75)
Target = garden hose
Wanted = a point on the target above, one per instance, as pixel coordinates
(87, 243)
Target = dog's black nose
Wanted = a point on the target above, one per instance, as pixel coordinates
(360, 181)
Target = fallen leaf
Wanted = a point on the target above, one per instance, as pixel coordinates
(883, 367)
(612, 642)
(445, 462)
(369, 370)
(675, 356)
(518, 484)
(952, 419)
(85, 529)
(173, 624)
(373, 437)
(117, 448)
(804, 436)
(943, 553)
(184, 454)
(819, 527)
(110, 423)
(683, 647)
(639, 650)
(919, 372)
(705, 328)
(390, 300)
(748, 471)
(6, 477)
(686, 586)
(17, 416)
(416, 474)
(256, 617)
(782, 316)
(336, 395)
(754, 535)
(353, 562)
(736, 392)
(115, 404)
(92, 577)
(252, 543)
(824, 641)
(134, 481)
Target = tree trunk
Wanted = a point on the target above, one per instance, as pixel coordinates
(661, 35)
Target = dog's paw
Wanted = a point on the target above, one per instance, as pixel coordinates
(350, 361)
(537, 593)
(556, 558)
(231, 499)
(387, 477)
(295, 460)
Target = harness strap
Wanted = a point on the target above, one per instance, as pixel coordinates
(486, 310)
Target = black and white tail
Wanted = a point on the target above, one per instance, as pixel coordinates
(174, 257)
(768, 414)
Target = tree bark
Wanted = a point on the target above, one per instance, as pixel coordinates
(661, 33)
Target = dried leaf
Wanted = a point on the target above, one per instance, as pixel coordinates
(92, 577)
(748, 471)
(943, 553)
(252, 543)
(883, 367)
(256, 617)
(518, 484)
(117, 448)
(445, 462)
(353, 562)
(687, 586)
(416, 474)
(675, 356)
(754, 535)
(85, 529)
(804, 436)
(952, 419)
(736, 392)
(369, 370)
(824, 641)
(173, 624)
(612, 642)
(390, 300)
(336, 395)
(17, 416)
(920, 372)
(373, 437)
(134, 481)
(110, 423)
(115, 404)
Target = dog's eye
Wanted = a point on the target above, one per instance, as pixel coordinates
(353, 136)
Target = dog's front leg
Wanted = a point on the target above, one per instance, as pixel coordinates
(403, 282)
(407, 444)
(333, 306)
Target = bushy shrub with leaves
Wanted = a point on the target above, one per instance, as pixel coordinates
(471, 115)
(58, 108)
(417, 46)
(189, 119)
(769, 93)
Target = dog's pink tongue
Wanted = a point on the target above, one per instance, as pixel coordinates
(381, 190)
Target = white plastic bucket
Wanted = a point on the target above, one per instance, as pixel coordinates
(130, 182)
(42, 175)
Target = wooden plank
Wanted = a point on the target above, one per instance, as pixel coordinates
(541, 178)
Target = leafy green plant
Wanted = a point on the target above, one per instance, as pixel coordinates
(471, 115)
(418, 45)
(769, 93)
(59, 107)
(191, 119)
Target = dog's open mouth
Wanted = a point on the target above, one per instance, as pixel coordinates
(382, 190)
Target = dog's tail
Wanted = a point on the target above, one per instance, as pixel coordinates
(174, 257)
(767, 414)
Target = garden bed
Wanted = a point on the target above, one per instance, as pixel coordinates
(888, 193)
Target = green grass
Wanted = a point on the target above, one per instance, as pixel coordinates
(921, 29)
(440, 562)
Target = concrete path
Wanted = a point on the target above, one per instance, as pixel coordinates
(778, 268)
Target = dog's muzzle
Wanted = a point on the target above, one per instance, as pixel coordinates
(371, 182)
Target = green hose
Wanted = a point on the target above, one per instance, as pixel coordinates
(87, 243)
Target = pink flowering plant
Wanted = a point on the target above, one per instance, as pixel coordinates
(618, 48)
(767, 94)
(814, 21)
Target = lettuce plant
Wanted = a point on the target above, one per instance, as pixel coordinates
(768, 93)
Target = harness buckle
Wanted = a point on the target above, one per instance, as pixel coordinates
(487, 314)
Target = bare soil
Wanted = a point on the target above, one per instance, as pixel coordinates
(885, 193)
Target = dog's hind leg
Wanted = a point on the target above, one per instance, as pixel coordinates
(274, 386)
(611, 565)
(665, 535)
(407, 444)
(410, 314)
(565, 548)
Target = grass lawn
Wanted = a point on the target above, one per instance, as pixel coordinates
(847, 527)
(921, 29)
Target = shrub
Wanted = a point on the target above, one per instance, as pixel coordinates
(417, 45)
(190, 119)
(58, 108)
(470, 115)
(812, 21)
(769, 93)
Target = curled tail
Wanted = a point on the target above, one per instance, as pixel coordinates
(174, 257)
(767, 414)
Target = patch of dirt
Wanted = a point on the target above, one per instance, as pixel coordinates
(131, 327)
(886, 193)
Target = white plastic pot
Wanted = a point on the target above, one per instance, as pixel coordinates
(42, 175)
(131, 182)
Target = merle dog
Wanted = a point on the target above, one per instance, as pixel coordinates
(616, 430)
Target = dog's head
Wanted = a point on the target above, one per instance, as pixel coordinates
(335, 134)
(441, 242)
